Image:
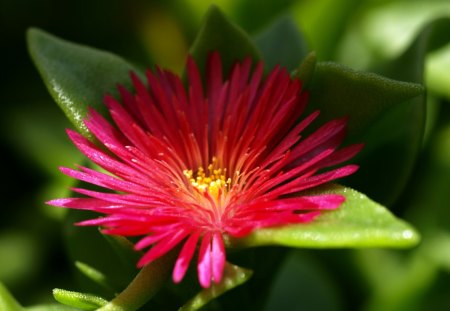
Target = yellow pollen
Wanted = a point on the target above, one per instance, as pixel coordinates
(213, 180)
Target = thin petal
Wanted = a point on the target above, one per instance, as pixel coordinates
(217, 257)
(204, 262)
(161, 248)
(185, 257)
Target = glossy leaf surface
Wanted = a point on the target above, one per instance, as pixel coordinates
(76, 76)
(359, 222)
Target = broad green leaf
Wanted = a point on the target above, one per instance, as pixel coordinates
(392, 147)
(339, 91)
(359, 222)
(7, 301)
(78, 300)
(421, 276)
(386, 115)
(76, 76)
(219, 34)
(395, 141)
(282, 44)
(233, 277)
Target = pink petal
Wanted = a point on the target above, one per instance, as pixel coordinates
(162, 247)
(217, 257)
(204, 262)
(185, 257)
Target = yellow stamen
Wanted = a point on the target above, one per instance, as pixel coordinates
(214, 180)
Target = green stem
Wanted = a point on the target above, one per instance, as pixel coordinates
(146, 283)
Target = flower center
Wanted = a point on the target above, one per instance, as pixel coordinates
(212, 180)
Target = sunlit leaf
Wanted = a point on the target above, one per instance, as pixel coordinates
(219, 34)
(359, 222)
(76, 76)
(78, 300)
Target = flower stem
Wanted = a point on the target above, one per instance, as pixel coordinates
(146, 283)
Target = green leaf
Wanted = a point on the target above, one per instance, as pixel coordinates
(76, 76)
(395, 137)
(282, 44)
(392, 147)
(220, 34)
(339, 91)
(386, 115)
(7, 301)
(233, 277)
(78, 300)
(359, 222)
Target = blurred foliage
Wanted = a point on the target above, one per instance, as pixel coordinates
(404, 40)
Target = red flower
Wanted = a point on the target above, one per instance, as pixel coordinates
(189, 166)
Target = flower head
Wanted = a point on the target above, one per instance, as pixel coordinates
(190, 165)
